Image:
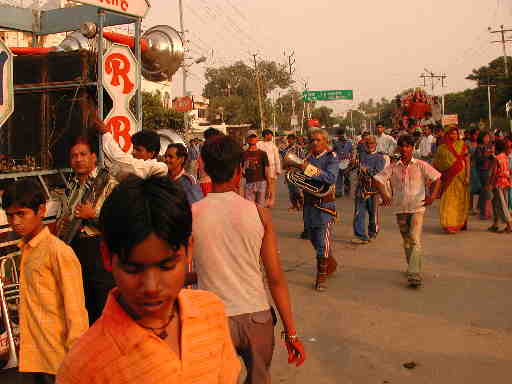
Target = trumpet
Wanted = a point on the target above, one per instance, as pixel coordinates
(9, 302)
(295, 176)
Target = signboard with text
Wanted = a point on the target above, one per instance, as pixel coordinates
(337, 94)
(6, 83)
(138, 8)
(450, 120)
(121, 80)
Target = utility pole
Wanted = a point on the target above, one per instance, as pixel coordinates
(434, 80)
(489, 86)
(258, 87)
(182, 27)
(503, 43)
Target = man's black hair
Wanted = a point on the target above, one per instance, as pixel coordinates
(211, 132)
(406, 140)
(380, 123)
(500, 146)
(181, 151)
(222, 156)
(24, 193)
(89, 140)
(149, 140)
(139, 207)
(267, 132)
(481, 136)
(291, 136)
(341, 131)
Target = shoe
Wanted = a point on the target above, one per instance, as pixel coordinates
(359, 241)
(493, 228)
(372, 238)
(414, 280)
(505, 230)
(321, 275)
(332, 266)
(304, 236)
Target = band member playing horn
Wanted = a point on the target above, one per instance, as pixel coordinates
(319, 213)
(366, 200)
(86, 242)
(52, 309)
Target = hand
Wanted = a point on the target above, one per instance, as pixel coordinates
(296, 353)
(85, 211)
(304, 165)
(428, 201)
(386, 200)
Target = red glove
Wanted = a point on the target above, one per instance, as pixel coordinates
(296, 353)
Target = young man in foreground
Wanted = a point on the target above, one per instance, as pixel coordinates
(232, 238)
(152, 330)
(52, 307)
(409, 178)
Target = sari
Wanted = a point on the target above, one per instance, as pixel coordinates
(450, 160)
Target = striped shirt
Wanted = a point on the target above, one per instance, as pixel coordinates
(52, 306)
(116, 350)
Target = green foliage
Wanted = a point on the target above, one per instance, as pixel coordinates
(156, 116)
(233, 93)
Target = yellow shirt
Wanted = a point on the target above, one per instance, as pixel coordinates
(116, 350)
(52, 305)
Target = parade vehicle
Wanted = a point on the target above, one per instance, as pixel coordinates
(45, 100)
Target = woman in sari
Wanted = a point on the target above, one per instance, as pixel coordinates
(452, 161)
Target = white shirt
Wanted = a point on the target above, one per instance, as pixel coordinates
(386, 144)
(274, 159)
(228, 234)
(426, 145)
(408, 184)
(122, 164)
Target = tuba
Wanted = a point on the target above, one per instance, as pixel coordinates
(295, 176)
(9, 302)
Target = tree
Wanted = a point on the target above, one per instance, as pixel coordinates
(324, 115)
(233, 94)
(155, 116)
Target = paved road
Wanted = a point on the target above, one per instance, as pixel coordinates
(457, 328)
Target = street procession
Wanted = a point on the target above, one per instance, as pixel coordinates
(230, 191)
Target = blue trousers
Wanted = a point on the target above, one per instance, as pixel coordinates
(319, 227)
(364, 208)
(342, 183)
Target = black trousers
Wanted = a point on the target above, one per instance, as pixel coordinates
(97, 281)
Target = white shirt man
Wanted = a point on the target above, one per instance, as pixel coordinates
(385, 143)
(142, 163)
(274, 160)
(425, 150)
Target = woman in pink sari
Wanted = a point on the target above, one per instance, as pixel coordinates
(452, 161)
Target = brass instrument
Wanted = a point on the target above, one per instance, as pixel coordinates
(68, 225)
(295, 176)
(9, 301)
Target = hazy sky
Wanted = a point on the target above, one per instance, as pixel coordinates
(376, 48)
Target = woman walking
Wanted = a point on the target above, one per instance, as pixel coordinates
(482, 160)
(452, 161)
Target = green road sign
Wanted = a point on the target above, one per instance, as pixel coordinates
(337, 94)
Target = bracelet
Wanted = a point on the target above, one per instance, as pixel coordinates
(289, 338)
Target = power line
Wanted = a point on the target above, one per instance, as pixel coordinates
(503, 43)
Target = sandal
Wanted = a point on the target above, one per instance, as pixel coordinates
(493, 228)
(505, 230)
(414, 280)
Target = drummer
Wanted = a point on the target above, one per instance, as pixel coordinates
(344, 151)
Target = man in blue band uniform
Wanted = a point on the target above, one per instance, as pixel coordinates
(322, 164)
(366, 199)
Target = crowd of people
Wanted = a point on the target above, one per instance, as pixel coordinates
(166, 278)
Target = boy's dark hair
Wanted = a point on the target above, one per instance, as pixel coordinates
(341, 131)
(86, 140)
(139, 207)
(24, 193)
(149, 140)
(267, 132)
(291, 136)
(481, 136)
(211, 132)
(500, 146)
(380, 123)
(181, 151)
(222, 156)
(406, 140)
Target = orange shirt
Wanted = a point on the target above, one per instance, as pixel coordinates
(116, 350)
(52, 305)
